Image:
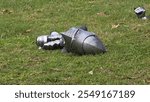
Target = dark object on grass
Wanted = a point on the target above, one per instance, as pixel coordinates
(83, 28)
(140, 12)
(50, 42)
(80, 41)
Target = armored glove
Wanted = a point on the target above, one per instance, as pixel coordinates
(50, 42)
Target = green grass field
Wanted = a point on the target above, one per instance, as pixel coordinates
(126, 38)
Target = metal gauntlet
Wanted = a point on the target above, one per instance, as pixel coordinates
(50, 42)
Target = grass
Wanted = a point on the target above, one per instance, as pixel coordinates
(126, 37)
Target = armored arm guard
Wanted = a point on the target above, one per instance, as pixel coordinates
(75, 40)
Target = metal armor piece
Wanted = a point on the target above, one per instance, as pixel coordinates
(41, 40)
(50, 42)
(140, 12)
(82, 42)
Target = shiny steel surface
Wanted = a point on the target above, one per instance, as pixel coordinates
(82, 42)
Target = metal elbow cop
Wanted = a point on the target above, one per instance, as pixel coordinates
(82, 42)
